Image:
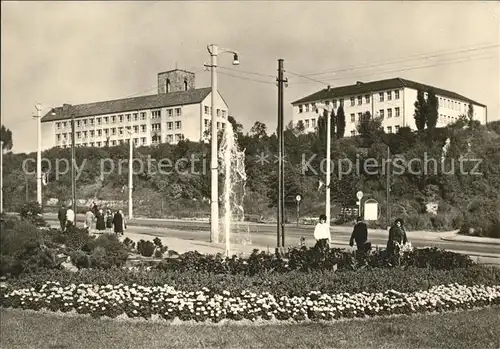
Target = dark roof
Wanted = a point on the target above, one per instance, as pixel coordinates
(380, 85)
(128, 104)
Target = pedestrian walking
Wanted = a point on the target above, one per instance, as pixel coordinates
(109, 220)
(101, 223)
(119, 222)
(397, 237)
(89, 219)
(70, 218)
(61, 216)
(360, 236)
(322, 232)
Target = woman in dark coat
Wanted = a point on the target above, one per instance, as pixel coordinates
(397, 237)
(109, 220)
(100, 224)
(119, 222)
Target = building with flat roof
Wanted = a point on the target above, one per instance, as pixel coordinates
(178, 111)
(391, 99)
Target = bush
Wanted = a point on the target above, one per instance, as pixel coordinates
(80, 259)
(310, 259)
(20, 242)
(108, 251)
(146, 248)
(482, 219)
(33, 213)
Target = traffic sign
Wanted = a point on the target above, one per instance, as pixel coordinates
(298, 198)
(359, 195)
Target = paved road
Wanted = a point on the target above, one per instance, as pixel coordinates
(265, 235)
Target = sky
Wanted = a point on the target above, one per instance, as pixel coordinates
(80, 52)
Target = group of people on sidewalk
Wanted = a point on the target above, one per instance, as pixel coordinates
(96, 219)
(397, 235)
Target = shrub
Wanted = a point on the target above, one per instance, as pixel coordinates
(108, 251)
(309, 259)
(19, 243)
(482, 219)
(129, 244)
(78, 239)
(33, 213)
(145, 248)
(80, 259)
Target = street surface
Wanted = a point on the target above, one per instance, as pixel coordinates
(263, 235)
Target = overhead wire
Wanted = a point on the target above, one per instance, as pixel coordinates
(462, 60)
(400, 60)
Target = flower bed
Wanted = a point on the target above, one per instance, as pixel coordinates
(169, 303)
(293, 283)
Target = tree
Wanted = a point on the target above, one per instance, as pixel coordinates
(368, 126)
(340, 121)
(258, 130)
(300, 127)
(321, 126)
(431, 110)
(6, 137)
(470, 113)
(420, 106)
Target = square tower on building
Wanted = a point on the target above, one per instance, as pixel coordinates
(175, 81)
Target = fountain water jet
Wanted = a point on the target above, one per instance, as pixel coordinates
(232, 162)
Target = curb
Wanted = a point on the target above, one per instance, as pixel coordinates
(466, 240)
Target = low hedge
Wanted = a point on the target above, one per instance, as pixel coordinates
(315, 258)
(293, 283)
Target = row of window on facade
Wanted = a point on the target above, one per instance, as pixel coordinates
(453, 105)
(381, 113)
(219, 124)
(220, 112)
(137, 141)
(389, 130)
(354, 100)
(104, 120)
(120, 130)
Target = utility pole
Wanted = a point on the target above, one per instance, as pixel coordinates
(281, 149)
(73, 184)
(39, 155)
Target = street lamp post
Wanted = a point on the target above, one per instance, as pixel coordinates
(39, 155)
(73, 164)
(130, 176)
(1, 176)
(214, 51)
(326, 111)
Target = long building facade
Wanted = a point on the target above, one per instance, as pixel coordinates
(178, 111)
(392, 100)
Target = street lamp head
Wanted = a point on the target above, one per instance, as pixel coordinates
(53, 112)
(235, 59)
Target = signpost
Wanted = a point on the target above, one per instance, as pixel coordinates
(359, 195)
(298, 198)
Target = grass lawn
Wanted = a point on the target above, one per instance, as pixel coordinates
(471, 329)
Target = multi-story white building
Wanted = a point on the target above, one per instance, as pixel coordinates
(392, 100)
(178, 111)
